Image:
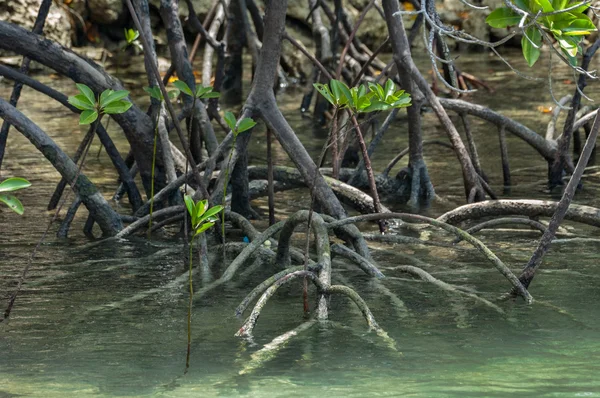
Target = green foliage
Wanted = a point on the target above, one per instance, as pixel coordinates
(202, 217)
(111, 102)
(362, 99)
(131, 35)
(238, 127)
(155, 93)
(531, 43)
(10, 185)
(201, 91)
(567, 27)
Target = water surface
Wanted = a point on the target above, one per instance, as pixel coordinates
(64, 338)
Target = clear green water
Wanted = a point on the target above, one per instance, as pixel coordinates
(57, 343)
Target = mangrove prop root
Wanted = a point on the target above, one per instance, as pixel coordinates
(250, 323)
(260, 289)
(248, 326)
(522, 207)
(498, 264)
(367, 266)
(504, 221)
(562, 208)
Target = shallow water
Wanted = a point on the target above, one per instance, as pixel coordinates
(65, 339)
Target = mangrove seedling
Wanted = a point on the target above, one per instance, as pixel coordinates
(362, 99)
(110, 102)
(155, 93)
(131, 36)
(201, 91)
(10, 185)
(202, 218)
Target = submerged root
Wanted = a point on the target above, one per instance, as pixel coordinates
(367, 266)
(498, 264)
(427, 277)
(270, 350)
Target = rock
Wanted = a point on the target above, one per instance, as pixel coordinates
(24, 12)
(105, 11)
(200, 6)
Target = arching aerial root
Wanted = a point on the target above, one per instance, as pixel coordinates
(498, 264)
(248, 326)
(523, 207)
(504, 221)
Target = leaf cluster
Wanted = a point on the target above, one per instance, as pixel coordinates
(363, 99)
(131, 36)
(238, 127)
(110, 102)
(201, 91)
(10, 185)
(568, 27)
(202, 217)
(155, 93)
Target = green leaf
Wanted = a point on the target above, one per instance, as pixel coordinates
(341, 93)
(559, 4)
(569, 44)
(212, 94)
(210, 213)
(377, 89)
(389, 89)
(581, 9)
(503, 17)
(189, 203)
(154, 92)
(572, 60)
(173, 94)
(377, 105)
(324, 90)
(81, 102)
(544, 5)
(522, 4)
(354, 98)
(530, 52)
(88, 117)
(362, 103)
(112, 96)
(117, 107)
(245, 124)
(14, 184)
(576, 26)
(13, 203)
(204, 227)
(87, 92)
(200, 208)
(183, 87)
(131, 35)
(402, 102)
(230, 120)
